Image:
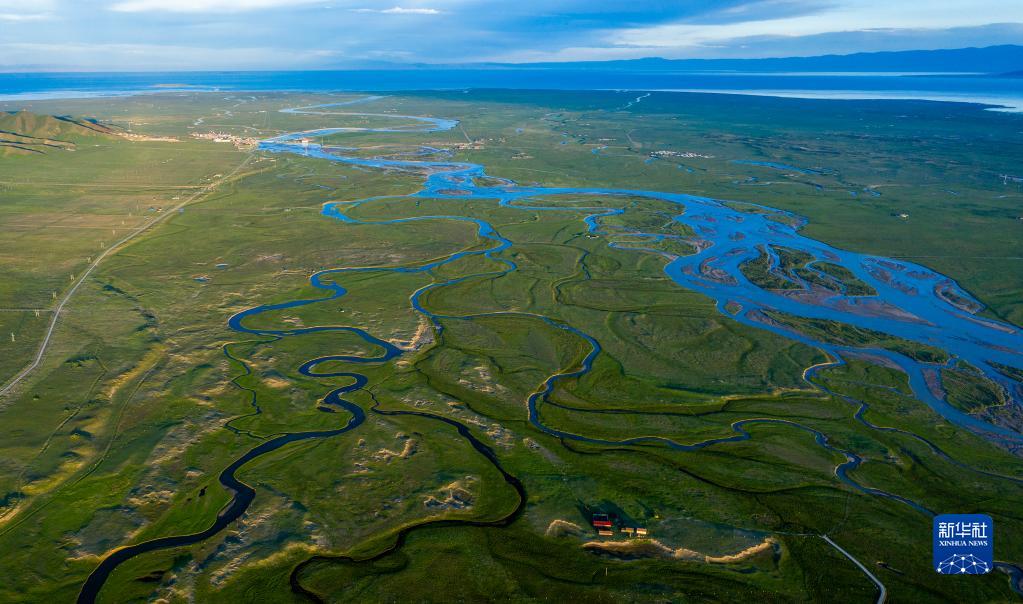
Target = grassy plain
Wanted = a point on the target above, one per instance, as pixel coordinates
(146, 395)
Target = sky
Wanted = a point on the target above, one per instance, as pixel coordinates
(153, 35)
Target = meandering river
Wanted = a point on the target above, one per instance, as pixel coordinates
(911, 302)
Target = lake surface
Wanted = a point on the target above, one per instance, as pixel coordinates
(1004, 92)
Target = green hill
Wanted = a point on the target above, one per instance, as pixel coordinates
(23, 132)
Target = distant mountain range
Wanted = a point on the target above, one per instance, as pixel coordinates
(1006, 59)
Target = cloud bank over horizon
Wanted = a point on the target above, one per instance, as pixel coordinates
(322, 34)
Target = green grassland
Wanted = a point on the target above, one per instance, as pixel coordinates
(146, 395)
(835, 332)
(27, 133)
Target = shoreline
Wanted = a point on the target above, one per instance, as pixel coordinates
(1004, 101)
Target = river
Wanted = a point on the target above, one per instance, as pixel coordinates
(912, 302)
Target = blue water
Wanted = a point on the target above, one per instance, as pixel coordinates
(908, 304)
(998, 91)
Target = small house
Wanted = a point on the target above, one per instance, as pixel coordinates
(601, 521)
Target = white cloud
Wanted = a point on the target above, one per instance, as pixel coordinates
(18, 6)
(24, 16)
(398, 10)
(851, 15)
(152, 57)
(20, 10)
(574, 53)
(204, 6)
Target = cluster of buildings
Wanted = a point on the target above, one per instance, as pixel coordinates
(605, 526)
(241, 142)
(688, 154)
(474, 145)
(145, 138)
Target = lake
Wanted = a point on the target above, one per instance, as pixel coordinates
(1006, 93)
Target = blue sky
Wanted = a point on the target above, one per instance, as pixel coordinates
(315, 34)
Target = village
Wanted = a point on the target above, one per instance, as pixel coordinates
(240, 142)
(686, 154)
(606, 524)
(473, 145)
(144, 138)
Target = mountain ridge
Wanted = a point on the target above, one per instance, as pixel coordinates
(1000, 59)
(26, 133)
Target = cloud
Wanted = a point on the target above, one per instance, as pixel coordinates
(223, 34)
(852, 15)
(9, 6)
(24, 16)
(398, 10)
(708, 46)
(871, 40)
(18, 10)
(154, 57)
(204, 6)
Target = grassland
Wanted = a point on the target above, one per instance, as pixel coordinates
(146, 395)
(835, 332)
